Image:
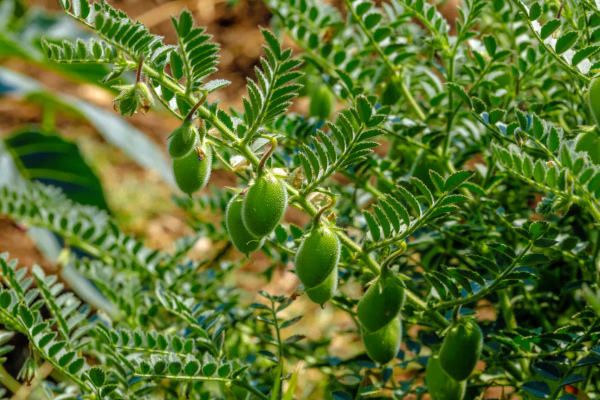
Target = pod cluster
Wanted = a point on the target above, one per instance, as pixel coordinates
(447, 373)
(379, 314)
(192, 158)
(254, 213)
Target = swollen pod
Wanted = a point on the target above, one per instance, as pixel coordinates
(182, 140)
(594, 99)
(381, 303)
(321, 103)
(241, 238)
(439, 385)
(264, 205)
(316, 264)
(322, 293)
(192, 171)
(461, 349)
(383, 345)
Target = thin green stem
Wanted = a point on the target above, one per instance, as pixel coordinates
(510, 320)
(7, 380)
(190, 115)
(243, 384)
(489, 289)
(319, 214)
(572, 70)
(456, 313)
(393, 69)
(265, 157)
(279, 343)
(388, 261)
(419, 223)
(138, 76)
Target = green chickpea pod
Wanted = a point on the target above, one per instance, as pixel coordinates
(381, 303)
(378, 312)
(383, 345)
(265, 202)
(317, 259)
(193, 171)
(183, 139)
(241, 238)
(461, 349)
(439, 385)
(322, 102)
(192, 155)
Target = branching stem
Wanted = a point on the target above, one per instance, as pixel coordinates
(328, 206)
(265, 157)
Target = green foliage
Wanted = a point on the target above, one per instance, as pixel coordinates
(462, 164)
(48, 158)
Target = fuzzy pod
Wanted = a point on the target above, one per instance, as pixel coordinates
(316, 264)
(193, 171)
(441, 386)
(594, 99)
(461, 349)
(322, 293)
(317, 256)
(182, 140)
(241, 238)
(381, 303)
(382, 346)
(322, 102)
(264, 205)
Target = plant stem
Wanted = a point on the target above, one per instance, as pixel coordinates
(510, 320)
(328, 206)
(393, 69)
(279, 344)
(243, 384)
(138, 77)
(190, 115)
(7, 380)
(265, 157)
(487, 290)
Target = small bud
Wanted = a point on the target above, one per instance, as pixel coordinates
(117, 71)
(133, 98)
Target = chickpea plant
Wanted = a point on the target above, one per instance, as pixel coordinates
(477, 222)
